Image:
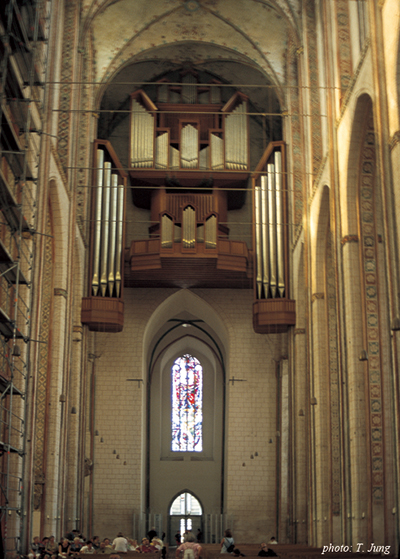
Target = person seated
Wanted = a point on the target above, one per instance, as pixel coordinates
(51, 547)
(227, 543)
(189, 550)
(105, 547)
(265, 551)
(108, 548)
(96, 543)
(272, 540)
(36, 548)
(120, 544)
(76, 546)
(88, 548)
(132, 545)
(145, 546)
(64, 548)
(157, 543)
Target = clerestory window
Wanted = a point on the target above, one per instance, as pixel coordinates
(187, 404)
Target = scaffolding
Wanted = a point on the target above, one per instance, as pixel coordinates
(23, 50)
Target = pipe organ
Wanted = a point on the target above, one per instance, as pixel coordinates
(188, 135)
(273, 311)
(103, 309)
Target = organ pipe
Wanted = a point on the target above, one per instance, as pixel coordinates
(189, 147)
(105, 229)
(188, 227)
(279, 222)
(269, 231)
(258, 235)
(113, 233)
(272, 228)
(97, 222)
(120, 229)
(162, 143)
(211, 232)
(265, 235)
(167, 231)
(108, 230)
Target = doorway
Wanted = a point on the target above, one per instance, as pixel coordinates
(185, 514)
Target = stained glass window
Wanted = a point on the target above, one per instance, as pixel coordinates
(187, 404)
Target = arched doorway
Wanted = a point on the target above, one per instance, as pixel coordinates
(185, 514)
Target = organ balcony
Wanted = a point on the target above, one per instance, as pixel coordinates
(188, 245)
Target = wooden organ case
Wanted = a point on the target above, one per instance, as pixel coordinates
(103, 310)
(187, 154)
(273, 310)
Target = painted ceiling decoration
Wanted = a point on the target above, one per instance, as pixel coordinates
(255, 32)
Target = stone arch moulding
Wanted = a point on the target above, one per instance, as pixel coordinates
(180, 302)
(363, 106)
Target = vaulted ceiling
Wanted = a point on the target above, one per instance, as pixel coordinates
(168, 33)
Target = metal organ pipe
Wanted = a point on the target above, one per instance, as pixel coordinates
(279, 223)
(142, 155)
(120, 228)
(97, 222)
(272, 227)
(113, 233)
(108, 231)
(189, 147)
(265, 235)
(258, 231)
(269, 231)
(105, 227)
(188, 227)
(236, 152)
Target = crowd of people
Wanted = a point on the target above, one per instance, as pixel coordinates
(74, 544)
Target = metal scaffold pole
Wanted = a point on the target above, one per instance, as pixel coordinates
(23, 43)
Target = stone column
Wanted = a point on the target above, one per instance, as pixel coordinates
(56, 418)
(300, 418)
(73, 422)
(320, 408)
(356, 391)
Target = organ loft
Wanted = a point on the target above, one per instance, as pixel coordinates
(189, 165)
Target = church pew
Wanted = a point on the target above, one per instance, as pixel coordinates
(128, 554)
(287, 551)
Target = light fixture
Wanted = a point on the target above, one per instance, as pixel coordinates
(252, 457)
(313, 401)
(363, 355)
(114, 452)
(301, 413)
(62, 398)
(16, 352)
(256, 453)
(73, 410)
(270, 441)
(102, 440)
(96, 433)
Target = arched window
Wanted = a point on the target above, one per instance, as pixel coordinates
(187, 405)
